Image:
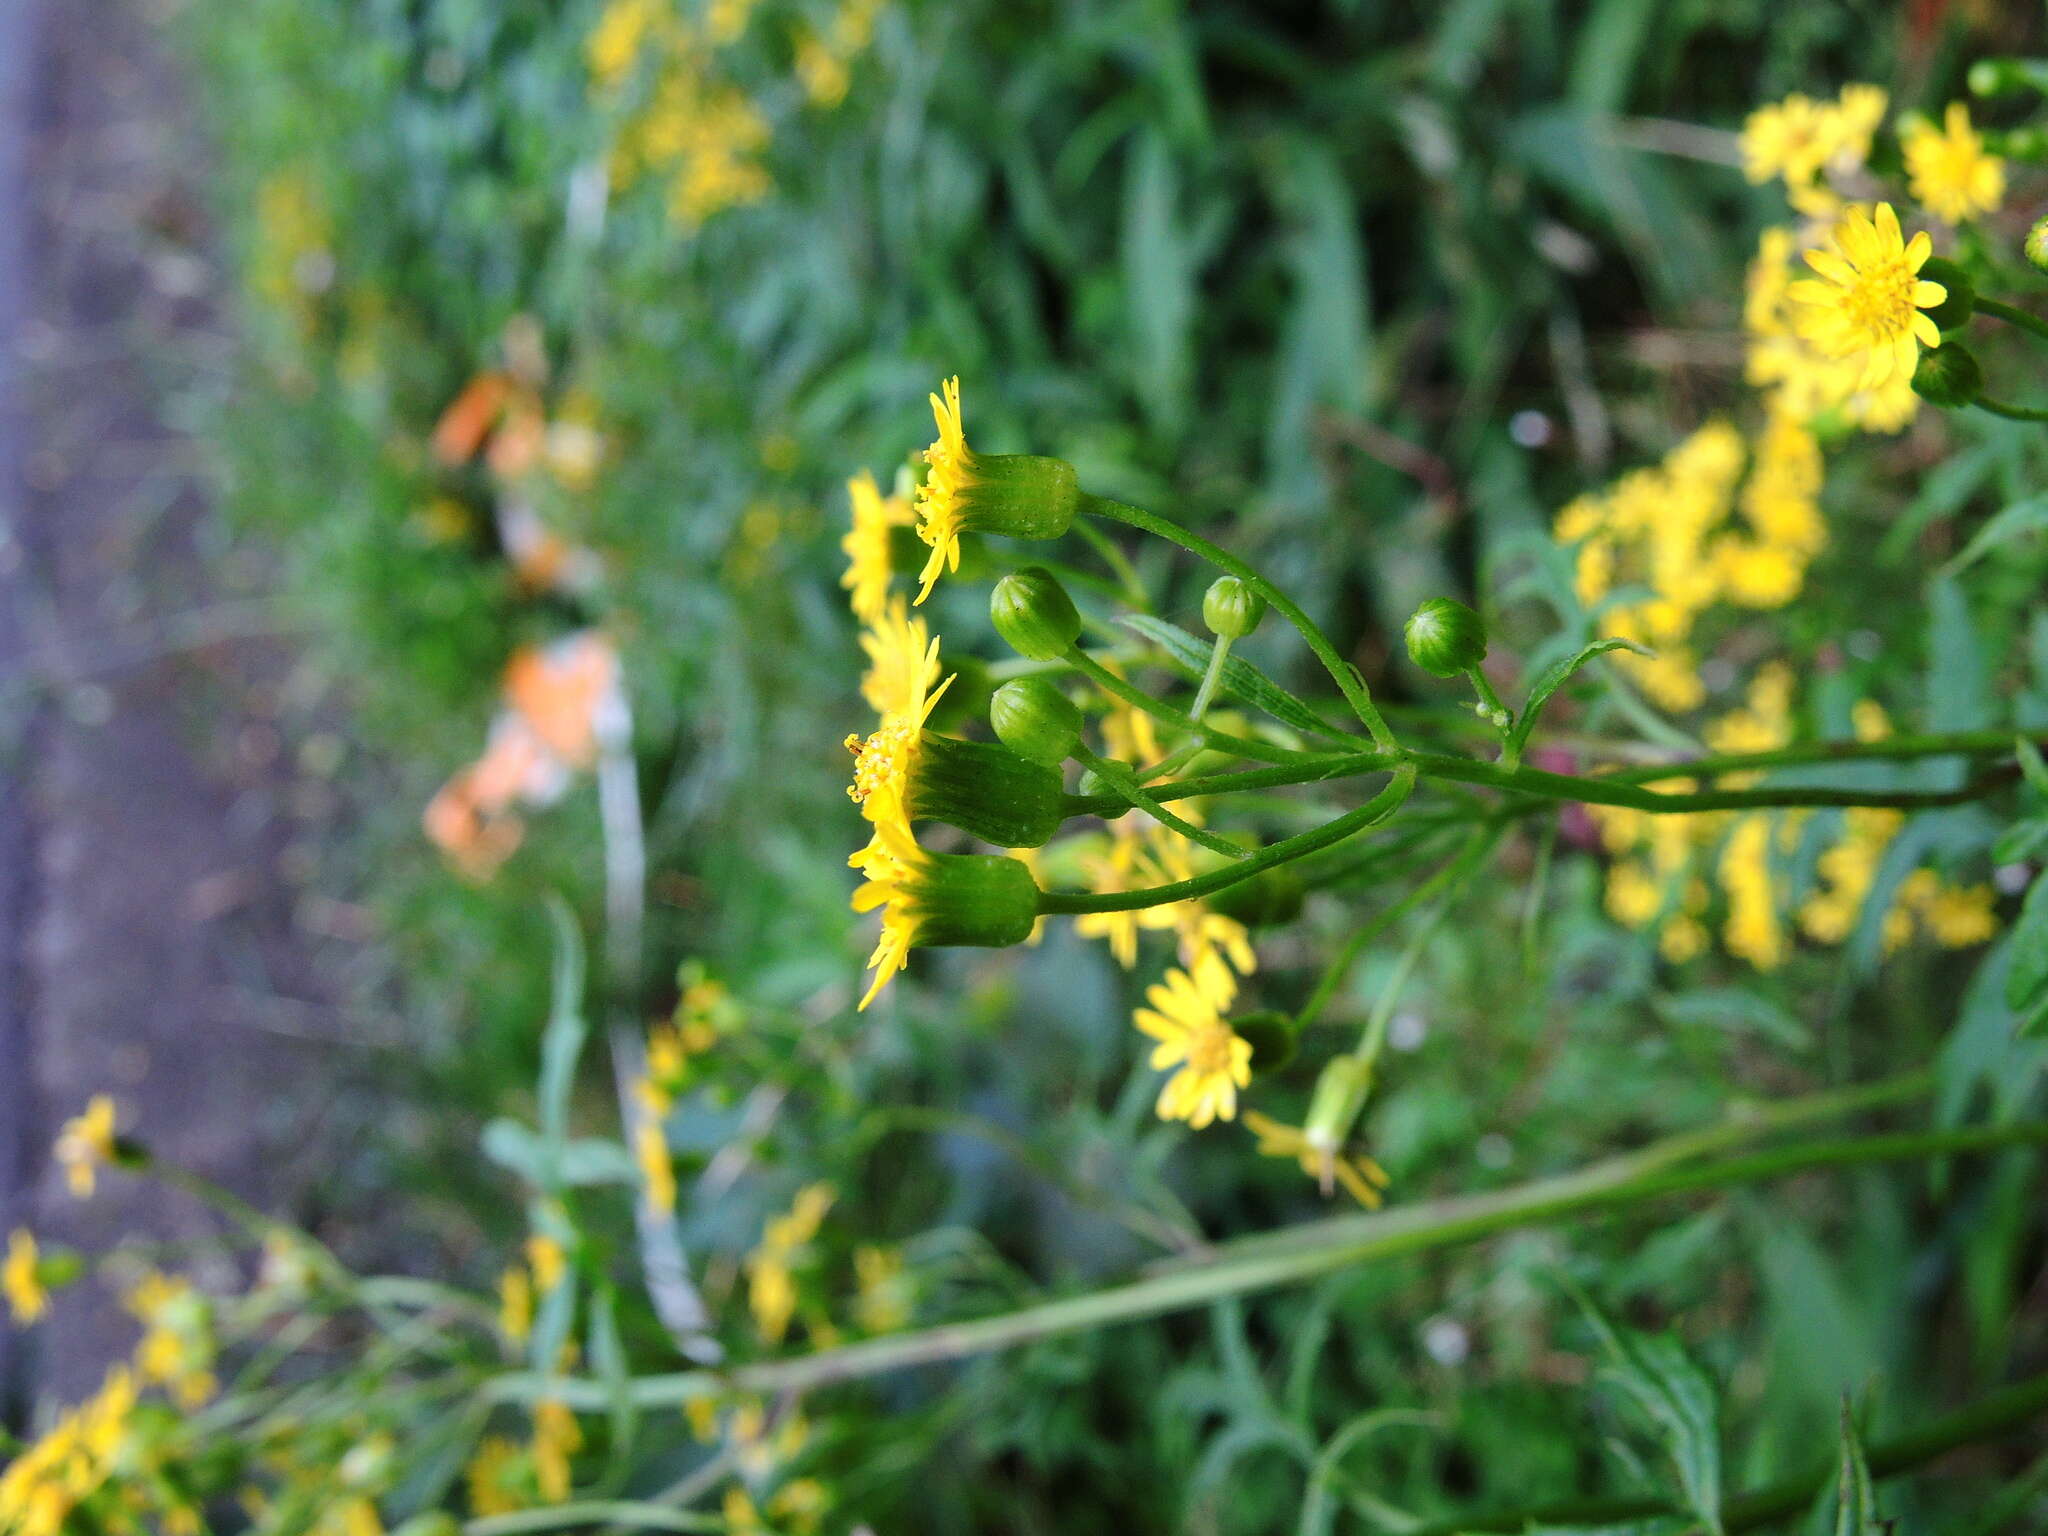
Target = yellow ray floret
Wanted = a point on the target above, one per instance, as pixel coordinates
(1868, 300)
(1214, 1061)
(950, 467)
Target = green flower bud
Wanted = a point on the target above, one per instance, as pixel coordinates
(1034, 718)
(1271, 1036)
(1093, 783)
(1232, 609)
(981, 899)
(1956, 309)
(1445, 637)
(1336, 1104)
(986, 790)
(2035, 246)
(1948, 376)
(1033, 613)
(1267, 900)
(59, 1267)
(1992, 78)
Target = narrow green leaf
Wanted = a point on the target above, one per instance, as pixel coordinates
(1958, 671)
(561, 1042)
(1554, 677)
(2016, 521)
(2027, 981)
(1241, 680)
(1855, 1498)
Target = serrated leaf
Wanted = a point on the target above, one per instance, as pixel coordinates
(1678, 1399)
(1855, 1498)
(1554, 677)
(2027, 981)
(1241, 680)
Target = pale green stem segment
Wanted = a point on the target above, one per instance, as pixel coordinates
(1219, 652)
(1109, 682)
(1374, 1036)
(2012, 314)
(1125, 783)
(633, 1514)
(1184, 1284)
(1126, 574)
(1349, 683)
(1381, 806)
(1497, 715)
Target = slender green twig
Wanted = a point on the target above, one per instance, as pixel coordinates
(1346, 677)
(1382, 805)
(1243, 746)
(2012, 314)
(634, 1514)
(1126, 574)
(1219, 652)
(2009, 412)
(1123, 782)
(1401, 1231)
(1897, 748)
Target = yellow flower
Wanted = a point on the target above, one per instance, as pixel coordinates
(1792, 139)
(491, 1476)
(614, 44)
(799, 1504)
(882, 763)
(903, 662)
(26, 1296)
(1867, 303)
(657, 1172)
(515, 1304)
(823, 73)
(771, 1286)
(85, 1142)
(1214, 1062)
(883, 1305)
(1752, 932)
(867, 545)
(556, 1437)
(545, 1257)
(177, 1341)
(950, 465)
(1948, 170)
(1957, 916)
(1363, 1177)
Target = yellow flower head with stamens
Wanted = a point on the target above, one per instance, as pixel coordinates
(938, 898)
(1363, 1177)
(1868, 300)
(950, 472)
(1948, 170)
(85, 1142)
(1214, 1062)
(882, 763)
(20, 1281)
(903, 661)
(1792, 139)
(867, 545)
(890, 865)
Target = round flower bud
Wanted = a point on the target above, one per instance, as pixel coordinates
(1033, 718)
(1231, 609)
(1948, 376)
(1093, 783)
(1033, 613)
(1271, 1036)
(2035, 246)
(986, 790)
(1445, 637)
(1956, 309)
(1336, 1104)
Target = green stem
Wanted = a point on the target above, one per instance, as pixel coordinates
(1219, 652)
(1335, 972)
(1984, 1419)
(1962, 744)
(1109, 682)
(1349, 683)
(2009, 412)
(2012, 314)
(1374, 1035)
(1125, 783)
(634, 1514)
(1126, 574)
(1382, 805)
(1404, 1230)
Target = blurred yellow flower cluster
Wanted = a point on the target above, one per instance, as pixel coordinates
(1664, 544)
(688, 123)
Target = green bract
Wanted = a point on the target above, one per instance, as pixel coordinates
(1948, 375)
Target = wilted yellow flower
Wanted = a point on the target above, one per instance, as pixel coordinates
(1359, 1174)
(1948, 170)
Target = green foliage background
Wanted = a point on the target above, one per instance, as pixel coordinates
(1194, 249)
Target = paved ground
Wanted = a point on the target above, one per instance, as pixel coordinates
(147, 937)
